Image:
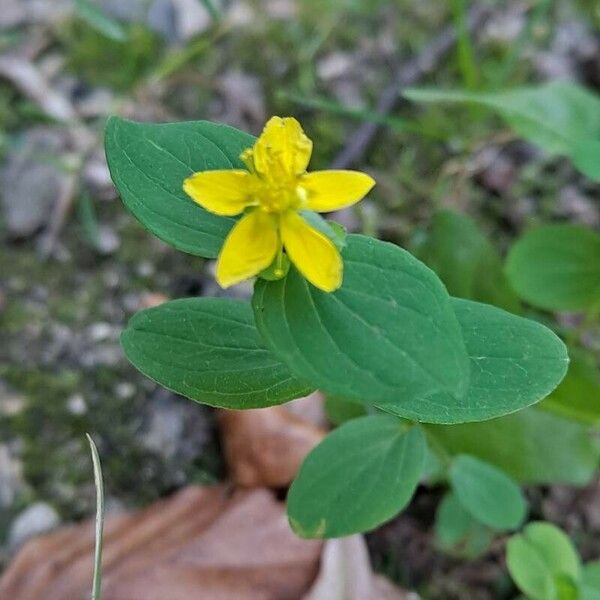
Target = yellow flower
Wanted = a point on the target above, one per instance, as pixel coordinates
(274, 191)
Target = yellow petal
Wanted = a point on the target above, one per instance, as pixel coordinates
(282, 149)
(313, 253)
(249, 248)
(226, 193)
(332, 190)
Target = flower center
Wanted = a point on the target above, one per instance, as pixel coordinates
(277, 197)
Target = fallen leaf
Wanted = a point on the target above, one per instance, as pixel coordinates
(265, 447)
(202, 543)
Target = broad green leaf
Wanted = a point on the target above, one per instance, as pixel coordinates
(566, 588)
(388, 337)
(557, 267)
(339, 411)
(489, 495)
(208, 349)
(556, 116)
(585, 155)
(515, 362)
(542, 561)
(457, 532)
(578, 395)
(590, 581)
(92, 14)
(532, 446)
(361, 475)
(470, 269)
(148, 163)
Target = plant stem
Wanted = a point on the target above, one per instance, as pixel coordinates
(99, 519)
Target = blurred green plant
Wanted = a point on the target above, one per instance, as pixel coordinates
(472, 268)
(93, 55)
(557, 267)
(95, 18)
(545, 565)
(562, 118)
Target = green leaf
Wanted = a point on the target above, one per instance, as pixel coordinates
(148, 163)
(388, 337)
(208, 349)
(542, 560)
(334, 232)
(578, 396)
(361, 475)
(90, 13)
(470, 269)
(515, 362)
(457, 532)
(557, 267)
(556, 116)
(489, 495)
(590, 581)
(339, 411)
(585, 155)
(532, 446)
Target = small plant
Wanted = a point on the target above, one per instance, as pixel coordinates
(545, 565)
(360, 319)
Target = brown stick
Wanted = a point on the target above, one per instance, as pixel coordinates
(407, 74)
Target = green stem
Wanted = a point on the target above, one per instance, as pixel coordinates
(97, 581)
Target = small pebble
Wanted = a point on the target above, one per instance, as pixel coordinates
(34, 520)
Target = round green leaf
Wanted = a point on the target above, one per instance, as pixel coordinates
(471, 269)
(515, 362)
(359, 476)
(148, 163)
(457, 532)
(488, 494)
(339, 411)
(557, 267)
(590, 581)
(208, 349)
(542, 561)
(584, 155)
(578, 396)
(388, 336)
(541, 447)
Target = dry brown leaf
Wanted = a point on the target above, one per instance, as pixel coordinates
(202, 543)
(265, 447)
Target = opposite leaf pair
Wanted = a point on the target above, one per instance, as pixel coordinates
(390, 337)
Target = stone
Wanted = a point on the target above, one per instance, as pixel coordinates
(77, 405)
(34, 520)
(30, 184)
(175, 428)
(11, 476)
(11, 402)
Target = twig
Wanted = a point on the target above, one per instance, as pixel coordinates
(407, 74)
(29, 80)
(83, 140)
(62, 207)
